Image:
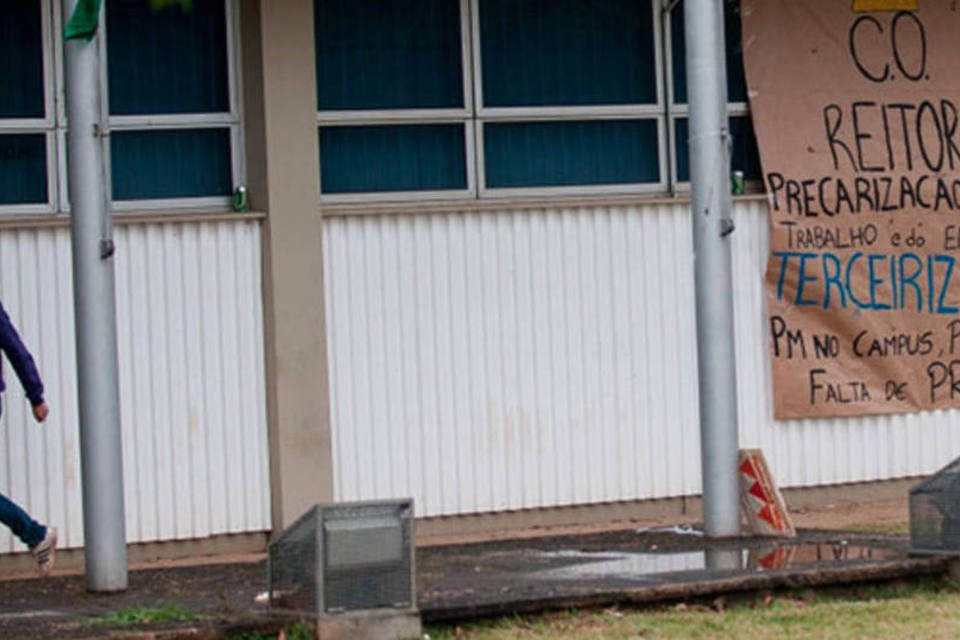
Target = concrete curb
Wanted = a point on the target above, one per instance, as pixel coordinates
(819, 577)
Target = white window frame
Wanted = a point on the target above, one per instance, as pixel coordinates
(230, 120)
(475, 115)
(45, 125)
(652, 111)
(681, 111)
(54, 124)
(462, 116)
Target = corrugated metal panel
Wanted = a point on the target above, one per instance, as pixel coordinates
(815, 452)
(506, 360)
(191, 380)
(509, 360)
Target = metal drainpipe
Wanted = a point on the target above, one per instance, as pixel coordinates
(105, 544)
(712, 226)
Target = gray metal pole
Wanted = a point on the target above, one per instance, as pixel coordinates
(712, 225)
(100, 451)
(723, 559)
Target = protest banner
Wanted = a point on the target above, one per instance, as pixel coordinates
(857, 115)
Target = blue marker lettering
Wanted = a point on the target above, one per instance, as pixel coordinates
(802, 278)
(853, 261)
(941, 309)
(911, 279)
(832, 278)
(875, 282)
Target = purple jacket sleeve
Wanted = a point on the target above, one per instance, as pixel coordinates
(20, 358)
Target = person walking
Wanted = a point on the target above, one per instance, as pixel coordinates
(41, 539)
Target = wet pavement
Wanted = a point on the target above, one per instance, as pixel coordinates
(646, 566)
(215, 596)
(463, 581)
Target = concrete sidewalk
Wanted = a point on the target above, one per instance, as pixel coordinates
(647, 566)
(462, 581)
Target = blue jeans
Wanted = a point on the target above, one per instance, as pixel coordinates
(23, 526)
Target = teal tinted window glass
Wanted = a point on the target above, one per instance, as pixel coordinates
(567, 52)
(367, 159)
(736, 81)
(21, 59)
(388, 54)
(540, 154)
(743, 154)
(171, 60)
(174, 163)
(681, 131)
(23, 169)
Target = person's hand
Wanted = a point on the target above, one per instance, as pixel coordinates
(41, 411)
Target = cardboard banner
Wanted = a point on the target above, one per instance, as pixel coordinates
(761, 502)
(857, 116)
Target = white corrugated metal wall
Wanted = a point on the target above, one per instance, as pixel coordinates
(492, 361)
(189, 310)
(483, 361)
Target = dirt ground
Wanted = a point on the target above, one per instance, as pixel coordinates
(882, 516)
(878, 516)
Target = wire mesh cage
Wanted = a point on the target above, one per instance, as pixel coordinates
(345, 557)
(935, 512)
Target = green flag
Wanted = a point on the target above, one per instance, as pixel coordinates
(83, 22)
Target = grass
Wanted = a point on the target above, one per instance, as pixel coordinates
(885, 528)
(298, 631)
(170, 612)
(921, 608)
(173, 612)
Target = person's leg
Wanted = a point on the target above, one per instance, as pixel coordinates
(41, 540)
(23, 526)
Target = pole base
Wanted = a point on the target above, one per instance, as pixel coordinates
(370, 625)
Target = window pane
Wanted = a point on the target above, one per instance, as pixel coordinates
(736, 82)
(388, 54)
(392, 158)
(172, 60)
(170, 163)
(744, 155)
(23, 169)
(567, 52)
(21, 60)
(535, 154)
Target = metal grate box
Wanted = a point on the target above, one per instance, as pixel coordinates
(345, 557)
(935, 512)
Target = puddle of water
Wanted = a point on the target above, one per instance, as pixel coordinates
(586, 564)
(28, 615)
(606, 565)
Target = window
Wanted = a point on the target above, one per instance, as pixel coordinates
(744, 156)
(568, 94)
(395, 104)
(421, 99)
(172, 118)
(170, 101)
(26, 118)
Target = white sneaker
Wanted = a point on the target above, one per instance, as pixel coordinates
(45, 551)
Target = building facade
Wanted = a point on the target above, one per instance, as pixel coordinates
(466, 274)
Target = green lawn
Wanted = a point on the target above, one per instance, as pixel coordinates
(923, 608)
(168, 612)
